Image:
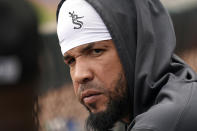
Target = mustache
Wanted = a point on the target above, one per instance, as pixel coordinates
(88, 86)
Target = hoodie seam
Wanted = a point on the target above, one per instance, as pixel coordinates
(181, 115)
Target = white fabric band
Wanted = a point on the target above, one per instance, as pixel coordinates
(78, 24)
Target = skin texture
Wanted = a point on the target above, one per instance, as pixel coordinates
(95, 69)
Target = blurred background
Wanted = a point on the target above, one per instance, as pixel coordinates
(59, 109)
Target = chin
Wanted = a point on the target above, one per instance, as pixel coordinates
(98, 111)
(96, 108)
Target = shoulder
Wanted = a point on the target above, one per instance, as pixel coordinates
(175, 109)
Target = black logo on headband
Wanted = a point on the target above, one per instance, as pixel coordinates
(75, 20)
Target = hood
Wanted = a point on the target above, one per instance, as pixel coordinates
(144, 38)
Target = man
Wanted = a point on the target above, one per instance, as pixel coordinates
(19, 66)
(120, 54)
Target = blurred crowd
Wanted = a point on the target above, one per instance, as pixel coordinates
(20, 51)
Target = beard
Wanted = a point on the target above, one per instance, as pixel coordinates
(118, 107)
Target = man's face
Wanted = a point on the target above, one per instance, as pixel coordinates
(98, 76)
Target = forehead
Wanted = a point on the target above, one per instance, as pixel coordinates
(79, 49)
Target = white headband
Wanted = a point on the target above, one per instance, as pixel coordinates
(78, 24)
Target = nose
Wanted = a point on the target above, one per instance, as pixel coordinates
(82, 72)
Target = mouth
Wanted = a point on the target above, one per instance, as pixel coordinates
(90, 96)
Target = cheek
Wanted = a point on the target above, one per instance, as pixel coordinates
(108, 71)
(75, 86)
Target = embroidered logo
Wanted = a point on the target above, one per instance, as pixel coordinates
(75, 20)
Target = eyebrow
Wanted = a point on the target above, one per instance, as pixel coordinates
(86, 48)
(66, 57)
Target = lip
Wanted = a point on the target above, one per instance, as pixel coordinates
(89, 94)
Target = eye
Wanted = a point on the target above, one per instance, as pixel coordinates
(70, 61)
(97, 52)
